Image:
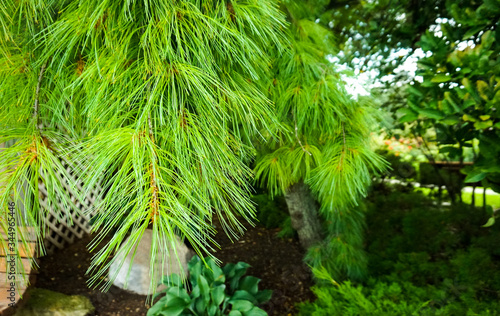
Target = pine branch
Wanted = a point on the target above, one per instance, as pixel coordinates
(297, 137)
(36, 114)
(154, 204)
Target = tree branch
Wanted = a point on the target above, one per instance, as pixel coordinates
(36, 111)
(297, 135)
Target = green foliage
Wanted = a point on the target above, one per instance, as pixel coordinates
(325, 142)
(211, 291)
(271, 213)
(369, 32)
(456, 91)
(341, 252)
(423, 260)
(155, 101)
(392, 298)
(460, 91)
(399, 169)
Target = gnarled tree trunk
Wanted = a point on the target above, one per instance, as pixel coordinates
(303, 211)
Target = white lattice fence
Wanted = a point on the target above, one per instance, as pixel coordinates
(61, 229)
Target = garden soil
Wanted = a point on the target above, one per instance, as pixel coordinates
(278, 262)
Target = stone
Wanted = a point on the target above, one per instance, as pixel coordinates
(139, 278)
(42, 302)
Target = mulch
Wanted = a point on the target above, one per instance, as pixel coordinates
(278, 262)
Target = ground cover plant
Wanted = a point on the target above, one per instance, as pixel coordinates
(423, 259)
(211, 291)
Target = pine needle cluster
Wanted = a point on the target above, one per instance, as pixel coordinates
(155, 101)
(325, 142)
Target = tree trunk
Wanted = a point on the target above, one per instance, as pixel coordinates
(303, 211)
(473, 195)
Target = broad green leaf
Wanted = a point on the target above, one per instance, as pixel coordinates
(229, 270)
(482, 88)
(403, 111)
(451, 120)
(263, 296)
(255, 311)
(468, 103)
(484, 117)
(195, 268)
(217, 273)
(408, 118)
(469, 118)
(200, 305)
(204, 288)
(241, 305)
(408, 115)
(475, 176)
(415, 91)
(467, 85)
(173, 279)
(250, 284)
(433, 114)
(157, 307)
(490, 222)
(244, 295)
(178, 292)
(174, 307)
(441, 78)
(235, 313)
(483, 124)
(239, 270)
(449, 97)
(218, 294)
(474, 30)
(212, 310)
(488, 38)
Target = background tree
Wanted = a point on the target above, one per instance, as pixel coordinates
(154, 100)
(322, 162)
(455, 90)
(460, 92)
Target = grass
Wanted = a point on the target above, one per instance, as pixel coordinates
(491, 199)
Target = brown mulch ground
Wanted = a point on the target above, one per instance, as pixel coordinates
(278, 262)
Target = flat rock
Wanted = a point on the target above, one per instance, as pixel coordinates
(139, 273)
(44, 302)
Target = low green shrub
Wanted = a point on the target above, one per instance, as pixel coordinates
(211, 291)
(271, 213)
(424, 259)
(396, 297)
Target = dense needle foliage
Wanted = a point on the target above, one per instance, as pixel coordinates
(153, 100)
(326, 142)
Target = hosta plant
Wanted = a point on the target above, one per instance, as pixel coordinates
(211, 291)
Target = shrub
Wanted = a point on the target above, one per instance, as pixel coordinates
(424, 259)
(271, 213)
(394, 298)
(212, 291)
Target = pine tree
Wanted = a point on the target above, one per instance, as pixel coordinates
(155, 100)
(322, 161)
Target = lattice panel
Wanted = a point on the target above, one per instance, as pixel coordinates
(61, 232)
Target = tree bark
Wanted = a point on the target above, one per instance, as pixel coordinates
(303, 211)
